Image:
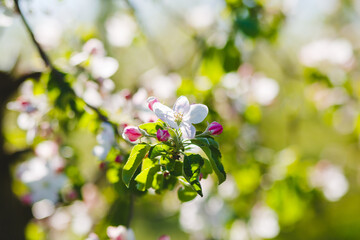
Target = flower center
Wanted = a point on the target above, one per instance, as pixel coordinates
(178, 117)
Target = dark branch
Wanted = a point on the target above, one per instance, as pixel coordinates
(47, 60)
(23, 78)
(41, 51)
(16, 155)
(97, 111)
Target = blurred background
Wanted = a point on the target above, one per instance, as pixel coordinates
(281, 76)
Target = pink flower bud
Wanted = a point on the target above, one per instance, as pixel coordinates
(151, 101)
(131, 133)
(215, 128)
(119, 159)
(102, 165)
(162, 135)
(164, 237)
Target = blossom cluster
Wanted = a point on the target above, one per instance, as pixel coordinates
(180, 118)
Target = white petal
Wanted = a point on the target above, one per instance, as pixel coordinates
(182, 105)
(165, 113)
(197, 113)
(188, 130)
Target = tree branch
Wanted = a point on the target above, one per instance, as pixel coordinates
(46, 60)
(42, 53)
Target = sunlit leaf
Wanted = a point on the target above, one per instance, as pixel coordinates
(136, 156)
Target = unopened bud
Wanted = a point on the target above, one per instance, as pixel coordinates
(162, 135)
(215, 128)
(119, 159)
(131, 133)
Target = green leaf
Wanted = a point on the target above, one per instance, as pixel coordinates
(177, 169)
(192, 166)
(159, 149)
(146, 176)
(151, 128)
(136, 156)
(158, 181)
(209, 146)
(186, 193)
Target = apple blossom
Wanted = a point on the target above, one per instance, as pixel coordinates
(131, 133)
(182, 116)
(162, 135)
(215, 128)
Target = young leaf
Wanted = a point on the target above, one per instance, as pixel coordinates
(151, 128)
(192, 166)
(186, 193)
(136, 156)
(146, 176)
(159, 149)
(158, 181)
(209, 146)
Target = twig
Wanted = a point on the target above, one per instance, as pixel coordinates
(97, 111)
(47, 61)
(42, 53)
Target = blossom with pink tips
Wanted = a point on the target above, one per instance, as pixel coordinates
(162, 135)
(182, 116)
(215, 128)
(151, 101)
(131, 133)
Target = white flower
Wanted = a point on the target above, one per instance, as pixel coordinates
(182, 116)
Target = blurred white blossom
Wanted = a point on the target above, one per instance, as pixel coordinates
(334, 51)
(121, 30)
(263, 222)
(330, 179)
(32, 108)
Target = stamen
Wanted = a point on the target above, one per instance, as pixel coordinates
(178, 117)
